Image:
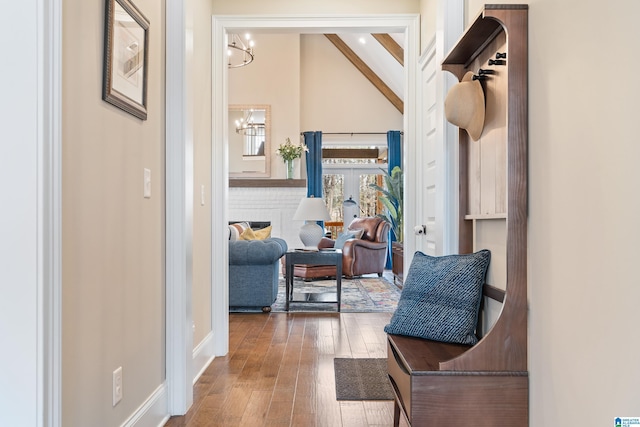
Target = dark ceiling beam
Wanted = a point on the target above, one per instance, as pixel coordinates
(366, 71)
(391, 45)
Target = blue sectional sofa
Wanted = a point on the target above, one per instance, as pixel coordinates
(253, 273)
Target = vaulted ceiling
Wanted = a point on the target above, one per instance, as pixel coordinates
(379, 57)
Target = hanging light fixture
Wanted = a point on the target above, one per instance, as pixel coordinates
(240, 52)
(246, 125)
(352, 203)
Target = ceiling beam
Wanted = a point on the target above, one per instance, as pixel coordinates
(391, 45)
(366, 71)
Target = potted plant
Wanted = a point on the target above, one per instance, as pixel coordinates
(289, 152)
(392, 198)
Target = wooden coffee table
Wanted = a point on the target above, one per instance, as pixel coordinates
(321, 257)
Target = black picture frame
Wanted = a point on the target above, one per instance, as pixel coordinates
(126, 57)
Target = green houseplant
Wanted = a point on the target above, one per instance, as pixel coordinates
(391, 198)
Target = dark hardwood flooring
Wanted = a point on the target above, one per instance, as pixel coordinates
(279, 372)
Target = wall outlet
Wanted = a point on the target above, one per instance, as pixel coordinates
(117, 386)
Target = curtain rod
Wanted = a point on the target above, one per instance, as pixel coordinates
(354, 133)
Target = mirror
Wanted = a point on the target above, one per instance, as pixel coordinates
(249, 140)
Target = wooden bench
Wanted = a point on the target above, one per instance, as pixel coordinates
(441, 384)
(430, 393)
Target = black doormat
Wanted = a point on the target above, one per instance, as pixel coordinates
(362, 379)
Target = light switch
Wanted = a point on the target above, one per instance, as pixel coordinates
(147, 183)
(202, 195)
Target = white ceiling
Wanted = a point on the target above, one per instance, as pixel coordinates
(378, 59)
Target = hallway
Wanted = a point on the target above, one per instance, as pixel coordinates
(279, 372)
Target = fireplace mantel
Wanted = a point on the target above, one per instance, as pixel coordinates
(265, 183)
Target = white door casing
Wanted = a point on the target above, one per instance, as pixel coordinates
(437, 149)
(406, 23)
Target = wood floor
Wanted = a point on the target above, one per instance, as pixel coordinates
(279, 372)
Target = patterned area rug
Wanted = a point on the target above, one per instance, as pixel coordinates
(361, 295)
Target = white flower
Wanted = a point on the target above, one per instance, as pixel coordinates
(290, 151)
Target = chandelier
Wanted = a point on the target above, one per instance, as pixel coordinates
(247, 126)
(239, 52)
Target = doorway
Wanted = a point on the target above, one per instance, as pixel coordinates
(179, 365)
(409, 25)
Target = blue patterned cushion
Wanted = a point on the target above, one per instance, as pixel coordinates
(342, 238)
(441, 298)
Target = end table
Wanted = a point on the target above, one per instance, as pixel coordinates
(320, 257)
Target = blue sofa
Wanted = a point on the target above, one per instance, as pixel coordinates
(253, 273)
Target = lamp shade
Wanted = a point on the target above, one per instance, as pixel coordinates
(312, 209)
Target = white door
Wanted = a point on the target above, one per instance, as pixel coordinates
(351, 182)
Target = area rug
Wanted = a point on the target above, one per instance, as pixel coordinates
(361, 295)
(362, 379)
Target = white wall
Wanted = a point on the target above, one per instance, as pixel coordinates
(113, 295)
(273, 78)
(276, 205)
(336, 97)
(310, 85)
(428, 15)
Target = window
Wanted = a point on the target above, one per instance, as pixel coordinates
(347, 173)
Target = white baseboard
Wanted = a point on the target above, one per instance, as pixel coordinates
(153, 412)
(203, 355)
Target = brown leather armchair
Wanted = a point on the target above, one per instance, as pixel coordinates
(365, 255)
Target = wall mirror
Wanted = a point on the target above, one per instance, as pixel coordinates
(249, 140)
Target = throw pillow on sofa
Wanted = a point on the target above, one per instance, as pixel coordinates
(236, 229)
(250, 234)
(349, 234)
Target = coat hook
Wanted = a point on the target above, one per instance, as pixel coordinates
(479, 77)
(484, 72)
(501, 55)
(497, 62)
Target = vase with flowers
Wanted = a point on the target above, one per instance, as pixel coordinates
(289, 152)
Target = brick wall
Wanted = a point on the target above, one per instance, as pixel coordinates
(275, 204)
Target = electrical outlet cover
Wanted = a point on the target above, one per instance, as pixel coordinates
(147, 183)
(117, 386)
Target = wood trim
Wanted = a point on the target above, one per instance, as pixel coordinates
(494, 293)
(485, 216)
(350, 153)
(333, 223)
(266, 183)
(366, 71)
(391, 45)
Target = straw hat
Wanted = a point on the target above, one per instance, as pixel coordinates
(464, 106)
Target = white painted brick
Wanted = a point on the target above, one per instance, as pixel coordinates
(275, 204)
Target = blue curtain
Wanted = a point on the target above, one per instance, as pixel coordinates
(313, 141)
(394, 158)
(394, 149)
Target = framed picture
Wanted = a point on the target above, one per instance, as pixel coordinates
(126, 52)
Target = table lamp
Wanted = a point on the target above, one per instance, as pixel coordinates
(310, 210)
